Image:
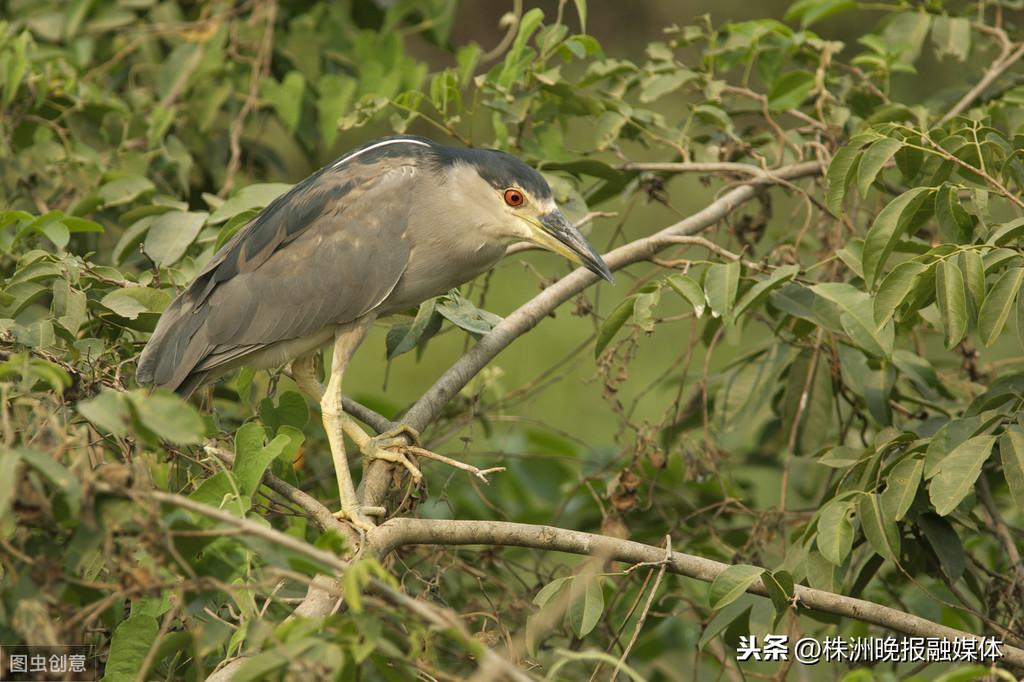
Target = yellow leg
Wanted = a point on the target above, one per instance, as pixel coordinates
(346, 340)
(303, 372)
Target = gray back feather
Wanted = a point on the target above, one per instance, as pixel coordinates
(326, 252)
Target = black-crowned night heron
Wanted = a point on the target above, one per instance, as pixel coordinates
(379, 231)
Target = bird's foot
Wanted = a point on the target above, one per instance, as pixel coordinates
(392, 446)
(358, 516)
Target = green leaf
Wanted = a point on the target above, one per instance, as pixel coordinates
(1007, 232)
(945, 543)
(613, 323)
(336, 94)
(659, 85)
(956, 473)
(858, 317)
(132, 640)
(168, 416)
(731, 583)
(835, 531)
(69, 306)
(690, 290)
(529, 23)
(587, 604)
(720, 286)
(253, 196)
(249, 467)
(951, 36)
(463, 314)
(956, 225)
(517, 60)
(875, 157)
(781, 590)
(107, 411)
(790, 91)
(822, 574)
(901, 487)
(757, 293)
(17, 64)
(812, 11)
(286, 97)
(973, 268)
(131, 302)
(171, 234)
(291, 410)
(840, 170)
(880, 531)
(609, 125)
(57, 232)
(895, 289)
(996, 259)
(581, 11)
(56, 473)
(221, 491)
(643, 308)
(951, 299)
(714, 116)
(545, 593)
(410, 335)
(998, 303)
(736, 614)
(904, 34)
(840, 457)
(124, 190)
(888, 229)
(263, 665)
(920, 372)
(1011, 453)
(249, 440)
(10, 466)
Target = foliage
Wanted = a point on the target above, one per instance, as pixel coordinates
(830, 389)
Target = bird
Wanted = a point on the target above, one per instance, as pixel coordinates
(380, 230)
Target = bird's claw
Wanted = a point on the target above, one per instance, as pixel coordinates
(389, 447)
(358, 517)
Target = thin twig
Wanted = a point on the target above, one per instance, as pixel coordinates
(260, 65)
(1001, 530)
(1005, 60)
(647, 606)
(479, 473)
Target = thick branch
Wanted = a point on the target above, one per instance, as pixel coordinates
(435, 615)
(402, 532)
(377, 422)
(726, 167)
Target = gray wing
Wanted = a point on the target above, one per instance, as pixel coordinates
(326, 252)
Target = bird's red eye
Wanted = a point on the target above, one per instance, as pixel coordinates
(514, 197)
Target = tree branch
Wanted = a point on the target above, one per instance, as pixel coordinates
(435, 615)
(729, 168)
(320, 514)
(998, 67)
(402, 532)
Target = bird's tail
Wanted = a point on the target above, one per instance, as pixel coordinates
(170, 357)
